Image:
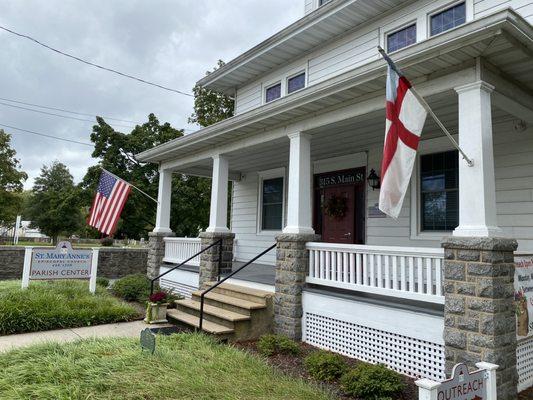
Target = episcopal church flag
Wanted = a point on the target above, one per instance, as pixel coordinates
(108, 203)
(404, 122)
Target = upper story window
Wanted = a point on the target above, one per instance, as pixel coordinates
(272, 205)
(448, 19)
(296, 82)
(439, 191)
(322, 2)
(402, 38)
(273, 92)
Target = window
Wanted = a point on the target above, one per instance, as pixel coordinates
(296, 83)
(448, 19)
(322, 2)
(439, 188)
(402, 38)
(272, 204)
(273, 92)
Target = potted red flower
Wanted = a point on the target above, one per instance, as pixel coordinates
(156, 311)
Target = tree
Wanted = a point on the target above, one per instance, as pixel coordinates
(11, 180)
(210, 106)
(54, 206)
(116, 153)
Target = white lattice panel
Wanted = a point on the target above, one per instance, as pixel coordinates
(524, 364)
(409, 356)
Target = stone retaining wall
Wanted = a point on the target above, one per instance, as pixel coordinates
(112, 262)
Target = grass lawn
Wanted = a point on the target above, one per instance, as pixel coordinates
(57, 304)
(185, 366)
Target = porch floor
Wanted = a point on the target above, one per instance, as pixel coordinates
(258, 273)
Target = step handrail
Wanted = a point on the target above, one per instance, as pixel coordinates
(219, 242)
(200, 324)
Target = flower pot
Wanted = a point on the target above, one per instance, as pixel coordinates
(156, 313)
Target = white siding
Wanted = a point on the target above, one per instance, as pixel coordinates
(248, 98)
(244, 209)
(309, 6)
(522, 7)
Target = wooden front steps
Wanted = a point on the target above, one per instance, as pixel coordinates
(231, 312)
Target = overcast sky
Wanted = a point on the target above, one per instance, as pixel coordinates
(170, 42)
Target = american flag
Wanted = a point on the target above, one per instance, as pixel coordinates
(108, 203)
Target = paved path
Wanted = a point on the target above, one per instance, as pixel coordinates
(123, 329)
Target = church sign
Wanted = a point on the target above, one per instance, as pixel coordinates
(61, 262)
(523, 296)
(462, 385)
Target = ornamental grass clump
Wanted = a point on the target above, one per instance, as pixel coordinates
(325, 366)
(372, 382)
(268, 345)
(58, 305)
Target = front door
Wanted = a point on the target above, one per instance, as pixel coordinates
(339, 221)
(339, 206)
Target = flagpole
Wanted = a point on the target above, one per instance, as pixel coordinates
(133, 186)
(426, 106)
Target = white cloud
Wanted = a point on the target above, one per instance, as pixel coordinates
(171, 42)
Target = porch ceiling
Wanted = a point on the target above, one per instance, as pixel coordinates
(504, 40)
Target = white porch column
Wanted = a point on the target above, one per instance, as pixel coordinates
(299, 213)
(477, 189)
(218, 216)
(162, 219)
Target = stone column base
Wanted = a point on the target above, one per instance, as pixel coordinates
(156, 252)
(480, 322)
(292, 261)
(209, 260)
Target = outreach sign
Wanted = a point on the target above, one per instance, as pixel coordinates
(61, 262)
(523, 296)
(462, 385)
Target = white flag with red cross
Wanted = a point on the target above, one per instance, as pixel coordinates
(404, 122)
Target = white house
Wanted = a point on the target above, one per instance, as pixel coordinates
(307, 136)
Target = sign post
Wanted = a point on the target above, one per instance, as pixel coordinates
(61, 262)
(463, 385)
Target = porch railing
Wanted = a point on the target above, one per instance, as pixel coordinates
(178, 250)
(404, 272)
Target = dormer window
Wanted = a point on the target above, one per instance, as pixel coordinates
(273, 92)
(401, 38)
(296, 82)
(448, 19)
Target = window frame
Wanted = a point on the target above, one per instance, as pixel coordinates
(437, 145)
(324, 2)
(270, 86)
(266, 175)
(283, 77)
(444, 8)
(289, 77)
(396, 29)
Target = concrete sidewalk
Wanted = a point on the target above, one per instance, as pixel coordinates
(123, 329)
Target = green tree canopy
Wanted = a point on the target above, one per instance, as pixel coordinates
(54, 205)
(116, 153)
(210, 106)
(11, 180)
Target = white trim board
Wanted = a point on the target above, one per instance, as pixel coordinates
(349, 161)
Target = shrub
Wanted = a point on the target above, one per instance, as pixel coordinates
(107, 242)
(269, 345)
(325, 366)
(158, 297)
(367, 381)
(132, 288)
(101, 281)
